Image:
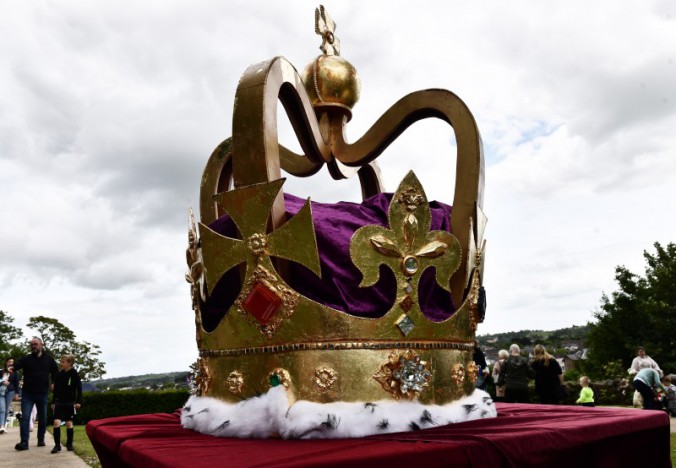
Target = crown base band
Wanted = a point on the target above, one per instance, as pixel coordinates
(354, 374)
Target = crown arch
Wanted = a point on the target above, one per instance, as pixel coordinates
(254, 155)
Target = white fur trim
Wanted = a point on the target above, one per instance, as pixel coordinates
(271, 416)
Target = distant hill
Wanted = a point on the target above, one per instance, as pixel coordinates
(560, 343)
(150, 381)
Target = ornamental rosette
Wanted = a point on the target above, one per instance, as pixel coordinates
(325, 378)
(404, 375)
(258, 244)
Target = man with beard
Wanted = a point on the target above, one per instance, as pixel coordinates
(37, 368)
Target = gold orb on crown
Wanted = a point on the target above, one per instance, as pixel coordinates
(330, 79)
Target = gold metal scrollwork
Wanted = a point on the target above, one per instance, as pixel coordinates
(196, 272)
(235, 382)
(203, 377)
(458, 374)
(472, 371)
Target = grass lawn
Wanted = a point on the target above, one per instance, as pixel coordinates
(83, 447)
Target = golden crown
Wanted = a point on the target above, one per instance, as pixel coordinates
(269, 333)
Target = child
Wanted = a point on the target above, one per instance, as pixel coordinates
(67, 399)
(586, 393)
(670, 396)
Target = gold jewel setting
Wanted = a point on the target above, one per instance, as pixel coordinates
(404, 375)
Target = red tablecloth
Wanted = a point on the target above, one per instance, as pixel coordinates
(522, 435)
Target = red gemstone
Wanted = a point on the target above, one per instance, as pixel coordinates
(407, 303)
(262, 303)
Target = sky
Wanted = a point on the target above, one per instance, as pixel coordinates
(109, 111)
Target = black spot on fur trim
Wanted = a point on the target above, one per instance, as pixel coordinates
(413, 426)
(484, 414)
(186, 409)
(331, 422)
(205, 410)
(488, 401)
(426, 418)
(224, 425)
(470, 408)
(370, 405)
(383, 424)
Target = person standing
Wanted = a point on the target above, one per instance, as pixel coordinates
(670, 397)
(644, 382)
(38, 367)
(480, 360)
(514, 375)
(4, 383)
(548, 376)
(586, 393)
(67, 400)
(9, 380)
(503, 354)
(643, 361)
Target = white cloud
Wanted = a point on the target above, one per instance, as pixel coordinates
(108, 112)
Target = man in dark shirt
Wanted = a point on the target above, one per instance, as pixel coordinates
(514, 375)
(37, 368)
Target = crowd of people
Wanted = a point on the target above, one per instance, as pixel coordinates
(512, 374)
(40, 374)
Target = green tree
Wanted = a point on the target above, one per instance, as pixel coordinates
(641, 312)
(60, 340)
(12, 342)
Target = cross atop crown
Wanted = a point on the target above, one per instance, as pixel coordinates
(326, 27)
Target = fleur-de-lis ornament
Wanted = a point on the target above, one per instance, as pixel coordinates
(408, 247)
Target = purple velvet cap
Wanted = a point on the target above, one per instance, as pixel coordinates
(339, 285)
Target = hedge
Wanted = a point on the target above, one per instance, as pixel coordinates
(99, 405)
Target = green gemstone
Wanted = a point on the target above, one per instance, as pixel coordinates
(275, 380)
